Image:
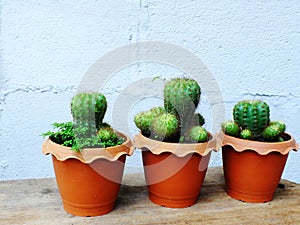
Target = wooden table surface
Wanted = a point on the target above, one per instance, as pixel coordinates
(38, 202)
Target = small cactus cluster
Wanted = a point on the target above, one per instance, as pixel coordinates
(177, 120)
(252, 122)
(88, 110)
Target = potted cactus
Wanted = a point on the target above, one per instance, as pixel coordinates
(254, 152)
(175, 147)
(88, 157)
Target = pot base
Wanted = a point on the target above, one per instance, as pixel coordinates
(88, 210)
(249, 197)
(171, 202)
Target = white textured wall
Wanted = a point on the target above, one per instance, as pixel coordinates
(251, 47)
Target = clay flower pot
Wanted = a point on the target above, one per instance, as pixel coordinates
(253, 169)
(174, 172)
(88, 181)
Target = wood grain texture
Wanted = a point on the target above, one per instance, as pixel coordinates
(38, 202)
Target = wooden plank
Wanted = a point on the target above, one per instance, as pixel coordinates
(38, 202)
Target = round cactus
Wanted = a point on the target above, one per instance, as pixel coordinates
(88, 109)
(197, 134)
(143, 120)
(231, 128)
(272, 132)
(246, 134)
(181, 97)
(165, 127)
(280, 139)
(252, 115)
(107, 134)
(280, 124)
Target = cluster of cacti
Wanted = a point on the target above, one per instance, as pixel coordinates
(177, 121)
(252, 121)
(88, 110)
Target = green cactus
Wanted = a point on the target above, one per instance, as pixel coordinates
(252, 115)
(280, 139)
(197, 134)
(106, 134)
(246, 134)
(144, 119)
(181, 97)
(273, 131)
(252, 118)
(231, 128)
(280, 124)
(165, 127)
(109, 137)
(88, 110)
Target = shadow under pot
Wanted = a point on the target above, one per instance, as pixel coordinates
(174, 172)
(88, 181)
(253, 169)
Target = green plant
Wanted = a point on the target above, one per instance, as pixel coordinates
(181, 97)
(197, 134)
(143, 120)
(87, 129)
(252, 115)
(165, 127)
(252, 121)
(171, 123)
(88, 110)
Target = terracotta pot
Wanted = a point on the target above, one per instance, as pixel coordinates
(174, 172)
(253, 169)
(88, 181)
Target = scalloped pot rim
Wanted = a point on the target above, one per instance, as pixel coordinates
(179, 149)
(262, 148)
(88, 155)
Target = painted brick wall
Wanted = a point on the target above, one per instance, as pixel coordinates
(252, 48)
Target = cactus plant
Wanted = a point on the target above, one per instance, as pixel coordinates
(252, 115)
(273, 131)
(165, 126)
(181, 98)
(246, 134)
(88, 110)
(197, 134)
(231, 128)
(253, 119)
(144, 119)
(88, 129)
